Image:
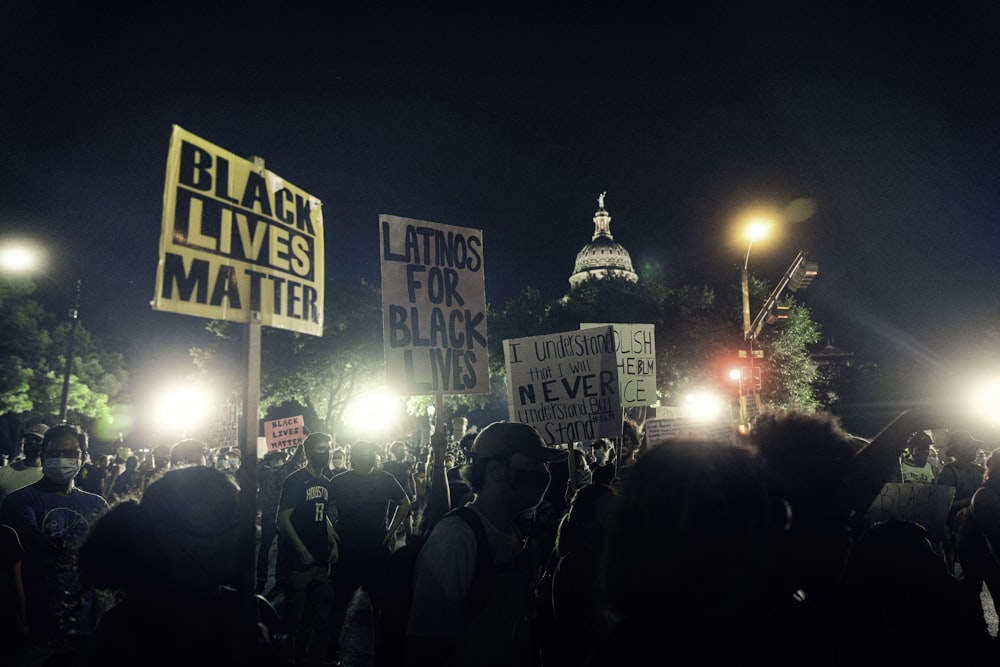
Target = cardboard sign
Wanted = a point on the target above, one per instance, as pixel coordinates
(237, 240)
(926, 504)
(433, 308)
(565, 385)
(224, 429)
(284, 433)
(662, 429)
(635, 348)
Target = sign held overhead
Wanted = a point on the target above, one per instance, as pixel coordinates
(236, 240)
(433, 307)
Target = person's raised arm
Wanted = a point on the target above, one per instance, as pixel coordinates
(438, 493)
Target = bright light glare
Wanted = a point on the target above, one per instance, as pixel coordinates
(735, 374)
(20, 257)
(181, 409)
(984, 400)
(757, 229)
(703, 406)
(375, 413)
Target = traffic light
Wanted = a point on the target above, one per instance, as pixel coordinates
(802, 275)
(778, 313)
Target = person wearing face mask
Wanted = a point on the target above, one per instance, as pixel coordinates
(363, 497)
(509, 474)
(52, 517)
(311, 543)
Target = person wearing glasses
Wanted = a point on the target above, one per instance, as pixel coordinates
(52, 518)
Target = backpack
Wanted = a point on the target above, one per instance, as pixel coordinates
(397, 590)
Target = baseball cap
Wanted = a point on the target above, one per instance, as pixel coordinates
(506, 438)
(37, 430)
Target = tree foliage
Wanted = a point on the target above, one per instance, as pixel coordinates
(33, 362)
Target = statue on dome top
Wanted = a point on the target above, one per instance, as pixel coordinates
(600, 200)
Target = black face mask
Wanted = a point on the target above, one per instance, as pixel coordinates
(532, 484)
(318, 461)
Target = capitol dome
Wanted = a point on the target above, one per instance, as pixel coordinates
(603, 256)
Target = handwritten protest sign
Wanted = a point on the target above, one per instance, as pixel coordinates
(565, 385)
(433, 307)
(237, 240)
(926, 504)
(284, 433)
(635, 348)
(662, 429)
(224, 429)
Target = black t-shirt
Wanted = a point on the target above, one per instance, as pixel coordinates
(362, 504)
(308, 496)
(401, 471)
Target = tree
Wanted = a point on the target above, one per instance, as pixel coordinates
(33, 362)
(320, 373)
(791, 376)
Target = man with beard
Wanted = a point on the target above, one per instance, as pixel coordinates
(509, 474)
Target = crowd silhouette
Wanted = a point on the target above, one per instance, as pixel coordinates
(753, 549)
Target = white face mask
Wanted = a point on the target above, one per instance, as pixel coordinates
(61, 471)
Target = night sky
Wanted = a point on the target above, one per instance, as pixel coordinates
(514, 121)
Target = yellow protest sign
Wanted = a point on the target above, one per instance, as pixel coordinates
(236, 240)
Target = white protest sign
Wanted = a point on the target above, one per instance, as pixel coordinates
(926, 504)
(635, 348)
(433, 308)
(565, 385)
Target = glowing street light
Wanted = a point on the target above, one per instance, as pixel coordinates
(24, 257)
(182, 409)
(18, 257)
(755, 230)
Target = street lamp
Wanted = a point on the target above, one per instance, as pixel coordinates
(754, 231)
(23, 257)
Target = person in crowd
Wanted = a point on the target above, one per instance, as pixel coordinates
(277, 467)
(604, 463)
(400, 466)
(27, 470)
(965, 476)
(914, 466)
(94, 476)
(977, 535)
(52, 517)
(803, 458)
(309, 536)
(188, 452)
(173, 555)
(13, 621)
(362, 498)
(154, 467)
(579, 609)
(127, 482)
(508, 472)
(692, 556)
(338, 462)
(893, 579)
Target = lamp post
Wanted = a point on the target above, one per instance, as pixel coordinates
(23, 257)
(74, 312)
(755, 229)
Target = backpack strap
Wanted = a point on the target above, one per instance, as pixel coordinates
(484, 578)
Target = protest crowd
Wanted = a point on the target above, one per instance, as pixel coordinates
(788, 545)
